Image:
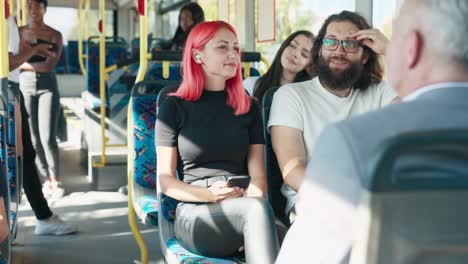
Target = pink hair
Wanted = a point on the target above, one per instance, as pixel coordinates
(193, 77)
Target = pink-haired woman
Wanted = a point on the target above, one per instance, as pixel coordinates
(211, 129)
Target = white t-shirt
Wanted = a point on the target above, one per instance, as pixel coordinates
(309, 107)
(249, 84)
(13, 47)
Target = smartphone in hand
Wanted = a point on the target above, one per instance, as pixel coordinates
(241, 181)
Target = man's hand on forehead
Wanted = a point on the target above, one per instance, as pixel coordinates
(372, 38)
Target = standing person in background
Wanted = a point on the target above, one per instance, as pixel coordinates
(39, 86)
(216, 130)
(190, 15)
(292, 63)
(20, 51)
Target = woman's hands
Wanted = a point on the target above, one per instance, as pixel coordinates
(219, 191)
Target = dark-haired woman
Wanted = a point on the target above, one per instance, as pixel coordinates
(292, 63)
(39, 86)
(190, 15)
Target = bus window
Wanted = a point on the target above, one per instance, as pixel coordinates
(300, 14)
(382, 15)
(54, 18)
(210, 7)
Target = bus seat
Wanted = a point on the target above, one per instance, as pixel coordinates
(142, 164)
(61, 66)
(173, 251)
(272, 170)
(72, 56)
(253, 72)
(116, 52)
(156, 72)
(5, 246)
(12, 157)
(92, 69)
(135, 45)
(247, 59)
(160, 43)
(413, 207)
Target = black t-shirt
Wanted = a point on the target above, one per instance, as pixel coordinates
(211, 140)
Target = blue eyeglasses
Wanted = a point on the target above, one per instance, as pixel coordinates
(332, 44)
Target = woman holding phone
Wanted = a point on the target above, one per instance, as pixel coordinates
(38, 83)
(215, 129)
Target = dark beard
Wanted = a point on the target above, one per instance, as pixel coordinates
(338, 80)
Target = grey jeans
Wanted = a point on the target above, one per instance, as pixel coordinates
(42, 101)
(220, 229)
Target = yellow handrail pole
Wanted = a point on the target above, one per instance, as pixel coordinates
(143, 44)
(80, 37)
(131, 210)
(3, 43)
(87, 28)
(11, 4)
(140, 76)
(265, 62)
(246, 69)
(102, 77)
(18, 12)
(24, 12)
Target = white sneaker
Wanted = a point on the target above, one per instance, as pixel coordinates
(47, 189)
(57, 193)
(54, 226)
(53, 190)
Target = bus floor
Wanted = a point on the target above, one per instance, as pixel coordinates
(104, 234)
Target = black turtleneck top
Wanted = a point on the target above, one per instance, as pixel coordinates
(211, 140)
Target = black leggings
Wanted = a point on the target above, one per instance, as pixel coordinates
(220, 229)
(31, 183)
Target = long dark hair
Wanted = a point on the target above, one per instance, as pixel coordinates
(178, 41)
(372, 72)
(44, 2)
(273, 76)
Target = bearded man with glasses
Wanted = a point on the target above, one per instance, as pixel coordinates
(349, 82)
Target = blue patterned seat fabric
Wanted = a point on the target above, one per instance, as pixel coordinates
(144, 118)
(4, 154)
(11, 149)
(168, 207)
(5, 245)
(148, 205)
(185, 257)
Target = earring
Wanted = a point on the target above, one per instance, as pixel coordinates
(198, 58)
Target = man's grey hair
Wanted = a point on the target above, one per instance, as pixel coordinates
(445, 24)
